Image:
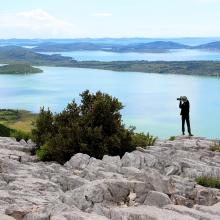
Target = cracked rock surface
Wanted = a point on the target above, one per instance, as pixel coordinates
(153, 183)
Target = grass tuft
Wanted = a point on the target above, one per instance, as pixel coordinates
(172, 138)
(215, 147)
(208, 182)
(143, 140)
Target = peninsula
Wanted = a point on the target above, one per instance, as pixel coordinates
(19, 69)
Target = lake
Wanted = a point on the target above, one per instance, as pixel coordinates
(173, 55)
(149, 99)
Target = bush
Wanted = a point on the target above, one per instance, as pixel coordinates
(143, 140)
(172, 138)
(94, 127)
(5, 131)
(18, 135)
(43, 127)
(43, 154)
(208, 182)
(215, 147)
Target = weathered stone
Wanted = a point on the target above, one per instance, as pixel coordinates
(191, 212)
(146, 212)
(181, 200)
(205, 196)
(157, 199)
(6, 217)
(17, 212)
(112, 160)
(174, 169)
(58, 217)
(139, 160)
(214, 210)
(37, 216)
(78, 161)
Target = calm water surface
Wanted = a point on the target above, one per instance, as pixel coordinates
(173, 55)
(149, 99)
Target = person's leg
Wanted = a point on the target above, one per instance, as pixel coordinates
(188, 125)
(183, 124)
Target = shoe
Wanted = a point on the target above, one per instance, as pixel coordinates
(183, 133)
(191, 135)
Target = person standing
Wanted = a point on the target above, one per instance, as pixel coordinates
(184, 105)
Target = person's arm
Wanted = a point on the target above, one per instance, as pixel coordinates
(188, 105)
(180, 105)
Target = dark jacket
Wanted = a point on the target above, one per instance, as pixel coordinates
(184, 106)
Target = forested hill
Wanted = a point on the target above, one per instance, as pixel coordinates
(209, 46)
(11, 54)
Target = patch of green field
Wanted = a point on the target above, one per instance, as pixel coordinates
(17, 119)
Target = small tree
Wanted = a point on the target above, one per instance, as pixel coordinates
(43, 127)
(94, 127)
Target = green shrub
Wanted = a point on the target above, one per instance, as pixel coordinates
(172, 138)
(18, 135)
(43, 127)
(93, 127)
(43, 153)
(5, 131)
(143, 140)
(215, 147)
(208, 182)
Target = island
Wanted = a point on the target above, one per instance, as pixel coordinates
(19, 68)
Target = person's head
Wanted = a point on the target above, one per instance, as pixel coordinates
(184, 98)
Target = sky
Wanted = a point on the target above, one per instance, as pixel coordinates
(109, 18)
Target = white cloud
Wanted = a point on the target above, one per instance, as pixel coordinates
(102, 14)
(36, 23)
(37, 14)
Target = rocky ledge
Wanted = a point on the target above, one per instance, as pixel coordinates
(154, 183)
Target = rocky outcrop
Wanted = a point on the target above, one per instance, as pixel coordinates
(153, 183)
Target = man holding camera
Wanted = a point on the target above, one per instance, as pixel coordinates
(184, 106)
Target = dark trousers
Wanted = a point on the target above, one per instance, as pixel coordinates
(186, 118)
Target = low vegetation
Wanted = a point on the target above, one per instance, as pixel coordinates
(93, 127)
(172, 138)
(208, 182)
(143, 140)
(17, 119)
(215, 147)
(19, 69)
(16, 123)
(18, 134)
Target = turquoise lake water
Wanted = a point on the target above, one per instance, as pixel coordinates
(149, 99)
(173, 55)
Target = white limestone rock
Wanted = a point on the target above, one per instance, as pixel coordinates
(157, 199)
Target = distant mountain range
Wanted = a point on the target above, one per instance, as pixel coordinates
(119, 45)
(151, 47)
(191, 41)
(209, 46)
(157, 46)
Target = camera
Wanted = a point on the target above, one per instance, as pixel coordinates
(180, 98)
